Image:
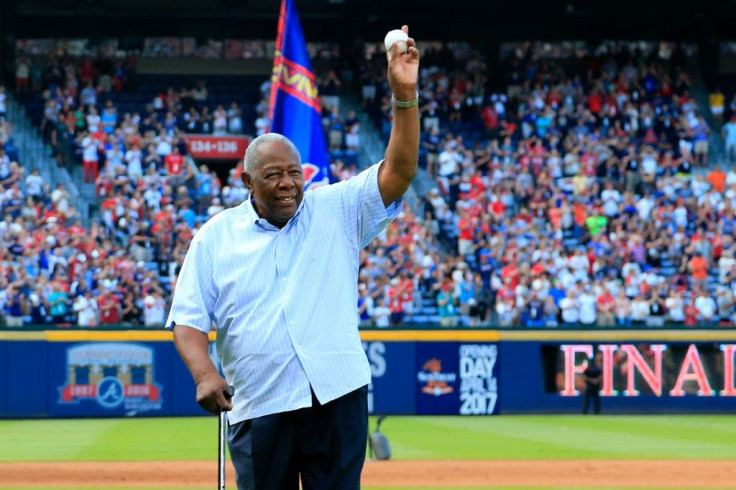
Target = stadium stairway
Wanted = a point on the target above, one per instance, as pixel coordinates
(701, 92)
(34, 154)
(373, 148)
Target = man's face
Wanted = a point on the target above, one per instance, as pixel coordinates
(277, 185)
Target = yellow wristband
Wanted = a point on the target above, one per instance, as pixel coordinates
(405, 104)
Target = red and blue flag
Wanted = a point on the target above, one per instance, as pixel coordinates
(294, 107)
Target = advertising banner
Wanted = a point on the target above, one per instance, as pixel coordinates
(479, 374)
(456, 378)
(674, 370)
(437, 381)
(392, 372)
(24, 382)
(101, 374)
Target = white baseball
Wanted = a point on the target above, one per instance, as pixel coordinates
(396, 36)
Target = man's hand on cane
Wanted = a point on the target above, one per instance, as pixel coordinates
(211, 389)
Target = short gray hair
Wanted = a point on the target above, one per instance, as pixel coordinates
(250, 160)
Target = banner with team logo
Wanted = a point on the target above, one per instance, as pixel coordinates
(106, 379)
(117, 376)
(42, 378)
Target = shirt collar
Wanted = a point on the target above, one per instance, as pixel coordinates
(263, 223)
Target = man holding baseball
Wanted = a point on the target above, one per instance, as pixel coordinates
(277, 277)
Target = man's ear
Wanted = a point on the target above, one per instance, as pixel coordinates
(246, 180)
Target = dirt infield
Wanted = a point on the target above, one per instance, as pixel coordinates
(418, 474)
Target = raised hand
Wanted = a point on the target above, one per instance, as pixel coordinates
(403, 69)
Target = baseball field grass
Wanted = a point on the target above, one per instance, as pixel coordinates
(520, 438)
(525, 437)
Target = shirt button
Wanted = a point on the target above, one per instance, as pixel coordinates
(301, 372)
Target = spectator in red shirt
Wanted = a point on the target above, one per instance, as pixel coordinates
(595, 101)
(691, 312)
(109, 306)
(497, 208)
(490, 120)
(511, 272)
(465, 233)
(407, 293)
(555, 217)
(174, 162)
(698, 267)
(395, 303)
(605, 305)
(85, 71)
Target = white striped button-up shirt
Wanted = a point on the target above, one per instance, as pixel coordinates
(284, 301)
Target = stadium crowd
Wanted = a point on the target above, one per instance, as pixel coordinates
(572, 196)
(569, 191)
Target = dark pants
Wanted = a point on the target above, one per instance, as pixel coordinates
(592, 393)
(324, 444)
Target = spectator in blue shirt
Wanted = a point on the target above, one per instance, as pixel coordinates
(204, 189)
(109, 117)
(557, 292)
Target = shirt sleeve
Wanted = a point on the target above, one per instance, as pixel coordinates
(194, 292)
(364, 206)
